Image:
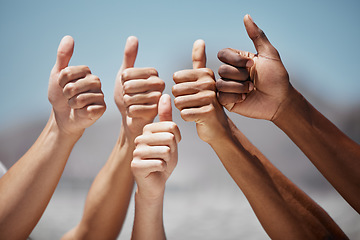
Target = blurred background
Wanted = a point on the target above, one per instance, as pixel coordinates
(318, 43)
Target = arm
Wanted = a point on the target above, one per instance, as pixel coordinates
(312, 215)
(260, 186)
(26, 189)
(274, 98)
(108, 198)
(155, 158)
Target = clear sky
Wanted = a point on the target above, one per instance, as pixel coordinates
(318, 42)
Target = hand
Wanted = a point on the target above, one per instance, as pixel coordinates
(137, 91)
(269, 84)
(195, 97)
(74, 92)
(156, 154)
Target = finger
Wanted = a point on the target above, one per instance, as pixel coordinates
(86, 99)
(196, 114)
(195, 100)
(164, 108)
(233, 73)
(153, 152)
(187, 88)
(236, 57)
(191, 75)
(130, 53)
(91, 112)
(148, 98)
(230, 98)
(157, 139)
(138, 73)
(143, 85)
(198, 54)
(64, 53)
(90, 83)
(143, 168)
(71, 73)
(142, 111)
(230, 86)
(261, 42)
(167, 126)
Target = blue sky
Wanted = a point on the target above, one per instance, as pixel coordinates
(317, 40)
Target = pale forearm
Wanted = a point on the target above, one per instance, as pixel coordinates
(330, 150)
(28, 186)
(148, 220)
(108, 198)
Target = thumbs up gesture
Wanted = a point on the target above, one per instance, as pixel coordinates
(253, 85)
(74, 92)
(156, 153)
(137, 91)
(195, 97)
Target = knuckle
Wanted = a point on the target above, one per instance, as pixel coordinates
(70, 89)
(207, 84)
(153, 72)
(220, 84)
(127, 100)
(85, 69)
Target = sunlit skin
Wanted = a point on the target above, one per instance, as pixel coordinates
(26, 189)
(283, 209)
(155, 158)
(137, 93)
(273, 98)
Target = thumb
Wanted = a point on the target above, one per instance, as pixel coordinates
(261, 43)
(64, 53)
(198, 54)
(164, 108)
(130, 53)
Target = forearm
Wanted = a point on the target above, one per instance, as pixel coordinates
(335, 155)
(260, 190)
(27, 187)
(313, 217)
(148, 220)
(109, 196)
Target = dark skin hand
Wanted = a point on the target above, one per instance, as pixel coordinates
(263, 74)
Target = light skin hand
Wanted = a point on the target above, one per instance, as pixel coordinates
(155, 158)
(263, 74)
(74, 92)
(195, 97)
(155, 155)
(137, 91)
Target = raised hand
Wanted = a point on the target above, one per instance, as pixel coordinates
(253, 85)
(156, 154)
(74, 92)
(137, 91)
(195, 96)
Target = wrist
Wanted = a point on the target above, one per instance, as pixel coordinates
(150, 198)
(53, 128)
(133, 127)
(290, 109)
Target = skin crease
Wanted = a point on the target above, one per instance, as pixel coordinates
(137, 93)
(155, 158)
(26, 189)
(273, 98)
(282, 209)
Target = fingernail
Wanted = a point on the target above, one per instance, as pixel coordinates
(243, 96)
(250, 18)
(251, 86)
(250, 63)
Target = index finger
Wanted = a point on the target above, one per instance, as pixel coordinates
(191, 75)
(165, 126)
(236, 58)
